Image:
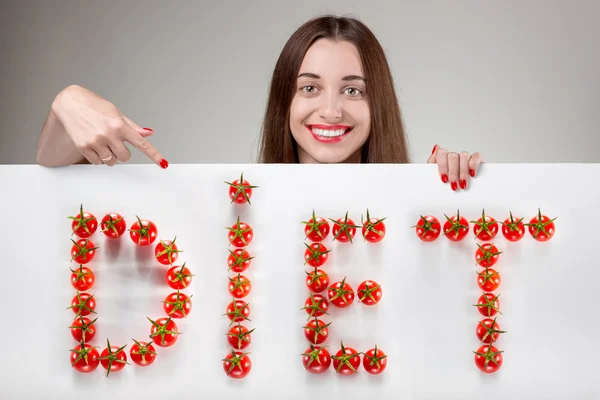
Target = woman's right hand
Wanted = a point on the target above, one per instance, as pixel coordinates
(99, 130)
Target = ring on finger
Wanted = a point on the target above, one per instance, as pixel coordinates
(104, 160)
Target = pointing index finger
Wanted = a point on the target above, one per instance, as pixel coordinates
(143, 144)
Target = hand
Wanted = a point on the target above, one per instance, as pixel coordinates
(99, 130)
(455, 167)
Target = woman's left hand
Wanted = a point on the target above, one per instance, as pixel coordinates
(455, 167)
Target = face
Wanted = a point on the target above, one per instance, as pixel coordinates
(329, 115)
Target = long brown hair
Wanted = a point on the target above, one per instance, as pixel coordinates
(387, 142)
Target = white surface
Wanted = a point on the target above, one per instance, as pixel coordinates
(425, 321)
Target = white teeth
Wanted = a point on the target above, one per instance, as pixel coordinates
(329, 132)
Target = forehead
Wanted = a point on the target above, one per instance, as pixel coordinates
(332, 59)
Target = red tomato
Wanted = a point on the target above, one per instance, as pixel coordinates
(179, 277)
(83, 329)
(240, 234)
(317, 281)
(488, 358)
(456, 228)
(237, 365)
(239, 260)
(344, 229)
(84, 358)
(485, 228)
(316, 305)
(84, 225)
(488, 330)
(374, 361)
(316, 228)
(164, 332)
(177, 305)
(239, 337)
(113, 225)
(166, 252)
(82, 279)
(83, 304)
(340, 294)
(373, 229)
(316, 331)
(541, 228)
(487, 255)
(240, 190)
(142, 353)
(239, 287)
(488, 305)
(143, 232)
(113, 358)
(316, 359)
(428, 228)
(369, 292)
(488, 280)
(237, 311)
(316, 254)
(513, 230)
(83, 251)
(346, 361)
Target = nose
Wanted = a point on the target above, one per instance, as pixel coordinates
(331, 108)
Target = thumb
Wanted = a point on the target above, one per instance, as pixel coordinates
(431, 159)
(142, 131)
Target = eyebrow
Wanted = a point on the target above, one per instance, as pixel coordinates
(345, 78)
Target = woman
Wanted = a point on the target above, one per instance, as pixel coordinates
(331, 100)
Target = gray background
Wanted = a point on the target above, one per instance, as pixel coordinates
(516, 80)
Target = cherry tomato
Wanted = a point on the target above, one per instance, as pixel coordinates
(485, 228)
(238, 311)
(316, 229)
(488, 358)
(179, 277)
(83, 329)
(374, 361)
(143, 232)
(83, 304)
(239, 260)
(177, 305)
(83, 251)
(346, 361)
(113, 358)
(316, 359)
(237, 365)
(84, 225)
(240, 190)
(513, 230)
(83, 278)
(488, 280)
(344, 229)
(240, 234)
(340, 294)
(369, 292)
(317, 281)
(142, 353)
(166, 252)
(487, 255)
(541, 228)
(239, 337)
(84, 358)
(488, 305)
(488, 330)
(428, 228)
(316, 331)
(239, 287)
(113, 225)
(456, 227)
(373, 229)
(316, 305)
(164, 332)
(316, 254)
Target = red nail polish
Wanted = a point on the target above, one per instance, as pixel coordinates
(472, 172)
(164, 163)
(454, 186)
(148, 129)
(444, 178)
(433, 151)
(463, 184)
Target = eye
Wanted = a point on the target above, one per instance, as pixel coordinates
(308, 89)
(352, 91)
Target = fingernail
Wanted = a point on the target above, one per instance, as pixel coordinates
(164, 163)
(454, 186)
(434, 147)
(472, 172)
(463, 184)
(444, 178)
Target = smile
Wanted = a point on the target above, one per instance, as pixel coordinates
(329, 133)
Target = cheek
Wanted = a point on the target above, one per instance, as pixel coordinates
(360, 112)
(300, 110)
